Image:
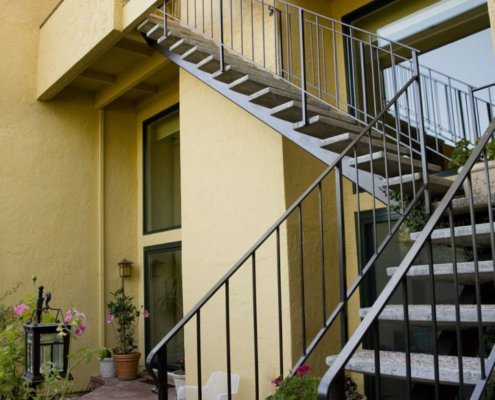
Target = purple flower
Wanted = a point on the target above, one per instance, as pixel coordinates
(110, 318)
(146, 313)
(303, 370)
(19, 309)
(68, 316)
(277, 381)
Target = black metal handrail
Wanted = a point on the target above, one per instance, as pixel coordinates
(296, 209)
(398, 280)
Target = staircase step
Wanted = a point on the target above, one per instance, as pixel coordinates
(446, 314)
(461, 205)
(155, 32)
(466, 272)
(390, 160)
(180, 47)
(393, 364)
(167, 41)
(463, 235)
(195, 56)
(290, 111)
(338, 143)
(229, 75)
(437, 185)
(246, 85)
(323, 127)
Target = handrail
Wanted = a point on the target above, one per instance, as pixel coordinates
(400, 274)
(484, 87)
(51, 13)
(294, 206)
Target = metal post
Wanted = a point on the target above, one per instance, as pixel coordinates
(220, 17)
(421, 131)
(302, 57)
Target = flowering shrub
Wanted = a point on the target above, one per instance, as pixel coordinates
(299, 386)
(351, 392)
(122, 311)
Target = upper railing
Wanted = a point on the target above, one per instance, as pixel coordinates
(472, 369)
(453, 109)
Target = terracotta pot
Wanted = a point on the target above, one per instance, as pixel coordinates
(127, 366)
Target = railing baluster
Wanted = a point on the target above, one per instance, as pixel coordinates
(322, 255)
(162, 374)
(255, 329)
(302, 59)
(220, 18)
(280, 310)
(301, 278)
(198, 354)
(340, 227)
(227, 336)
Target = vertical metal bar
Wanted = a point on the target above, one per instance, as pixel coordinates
(322, 255)
(220, 17)
(405, 302)
(255, 329)
(461, 114)
(187, 12)
(275, 25)
(304, 117)
(434, 319)
(289, 40)
(363, 83)
(376, 351)
(162, 374)
(203, 15)
(198, 353)
(165, 25)
(280, 311)
(421, 133)
(318, 55)
(227, 334)
(458, 330)
(195, 15)
(372, 64)
(301, 272)
(242, 26)
(263, 31)
(231, 27)
(335, 66)
(311, 53)
(211, 18)
(339, 207)
(252, 30)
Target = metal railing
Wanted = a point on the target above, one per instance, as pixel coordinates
(482, 251)
(306, 222)
(453, 109)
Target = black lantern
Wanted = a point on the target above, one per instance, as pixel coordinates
(45, 342)
(125, 268)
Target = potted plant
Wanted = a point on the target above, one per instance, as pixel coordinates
(460, 155)
(107, 365)
(124, 313)
(179, 376)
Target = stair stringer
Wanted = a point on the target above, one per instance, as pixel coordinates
(312, 145)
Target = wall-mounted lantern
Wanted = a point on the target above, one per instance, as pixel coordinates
(45, 341)
(125, 268)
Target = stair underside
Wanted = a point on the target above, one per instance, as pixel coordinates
(446, 314)
(466, 272)
(463, 235)
(393, 364)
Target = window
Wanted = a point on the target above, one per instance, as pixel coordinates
(163, 293)
(161, 169)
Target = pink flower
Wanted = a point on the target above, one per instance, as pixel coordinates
(146, 313)
(303, 370)
(19, 309)
(79, 331)
(68, 316)
(110, 318)
(277, 381)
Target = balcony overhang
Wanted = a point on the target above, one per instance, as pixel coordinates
(93, 45)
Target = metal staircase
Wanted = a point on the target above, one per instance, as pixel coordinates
(375, 141)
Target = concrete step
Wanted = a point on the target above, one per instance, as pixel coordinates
(246, 85)
(323, 127)
(393, 364)
(463, 235)
(466, 272)
(461, 205)
(412, 182)
(389, 163)
(338, 143)
(446, 315)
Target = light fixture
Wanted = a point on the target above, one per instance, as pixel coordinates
(125, 268)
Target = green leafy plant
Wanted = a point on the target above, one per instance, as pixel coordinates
(104, 352)
(463, 150)
(122, 311)
(301, 386)
(417, 218)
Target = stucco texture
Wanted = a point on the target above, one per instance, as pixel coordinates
(48, 184)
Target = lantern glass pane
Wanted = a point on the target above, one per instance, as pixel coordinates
(29, 352)
(48, 342)
(58, 356)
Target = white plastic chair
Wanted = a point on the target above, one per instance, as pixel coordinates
(215, 389)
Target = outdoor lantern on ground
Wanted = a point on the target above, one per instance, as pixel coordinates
(44, 343)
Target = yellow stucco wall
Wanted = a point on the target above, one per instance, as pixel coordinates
(49, 178)
(232, 191)
(76, 31)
